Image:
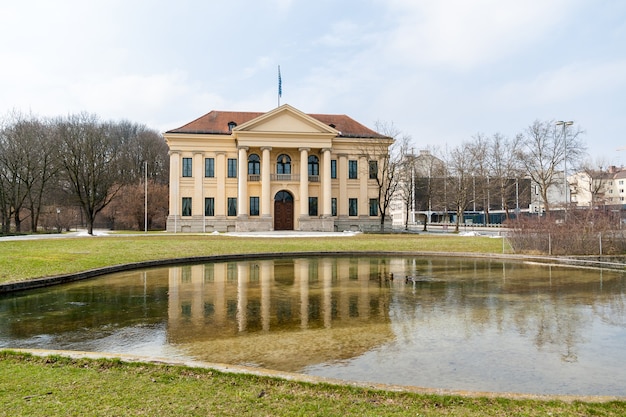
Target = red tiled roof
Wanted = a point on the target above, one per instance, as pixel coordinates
(216, 122)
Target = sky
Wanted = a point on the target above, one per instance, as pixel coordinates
(440, 71)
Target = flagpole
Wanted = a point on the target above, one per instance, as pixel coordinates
(280, 86)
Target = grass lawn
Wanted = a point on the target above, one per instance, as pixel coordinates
(57, 386)
(21, 260)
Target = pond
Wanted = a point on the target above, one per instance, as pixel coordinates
(437, 322)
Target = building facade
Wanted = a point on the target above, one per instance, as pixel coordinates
(280, 170)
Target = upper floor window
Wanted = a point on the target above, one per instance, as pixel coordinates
(353, 169)
(333, 168)
(187, 167)
(283, 164)
(209, 167)
(373, 170)
(254, 164)
(314, 165)
(232, 168)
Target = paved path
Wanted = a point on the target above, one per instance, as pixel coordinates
(97, 233)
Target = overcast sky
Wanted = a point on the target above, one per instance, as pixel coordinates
(441, 71)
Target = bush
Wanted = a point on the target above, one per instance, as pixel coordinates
(582, 232)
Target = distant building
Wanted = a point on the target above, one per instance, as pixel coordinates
(280, 170)
(595, 188)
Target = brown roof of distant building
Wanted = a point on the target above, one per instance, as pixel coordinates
(216, 122)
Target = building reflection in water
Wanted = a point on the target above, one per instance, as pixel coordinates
(309, 309)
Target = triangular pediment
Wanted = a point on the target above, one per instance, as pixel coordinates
(286, 119)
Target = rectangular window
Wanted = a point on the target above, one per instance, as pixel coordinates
(209, 167)
(373, 169)
(232, 206)
(333, 168)
(353, 169)
(373, 207)
(333, 206)
(186, 206)
(254, 206)
(187, 167)
(209, 206)
(312, 206)
(232, 168)
(353, 207)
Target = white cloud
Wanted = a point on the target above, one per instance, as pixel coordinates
(460, 34)
(573, 82)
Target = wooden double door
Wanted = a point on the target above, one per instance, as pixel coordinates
(283, 211)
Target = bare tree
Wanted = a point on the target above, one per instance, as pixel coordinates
(127, 210)
(544, 149)
(478, 149)
(20, 148)
(505, 167)
(384, 155)
(429, 174)
(461, 166)
(90, 152)
(406, 184)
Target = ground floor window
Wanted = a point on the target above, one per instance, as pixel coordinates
(186, 206)
(312, 206)
(254, 206)
(209, 206)
(353, 207)
(333, 206)
(373, 207)
(232, 206)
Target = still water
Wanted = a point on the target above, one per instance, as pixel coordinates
(483, 325)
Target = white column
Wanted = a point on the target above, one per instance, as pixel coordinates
(174, 184)
(242, 180)
(266, 195)
(220, 192)
(364, 174)
(243, 271)
(266, 302)
(198, 194)
(327, 294)
(326, 183)
(342, 174)
(304, 182)
(302, 271)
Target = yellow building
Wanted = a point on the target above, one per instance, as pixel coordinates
(281, 170)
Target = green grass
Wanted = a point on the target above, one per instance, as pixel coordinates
(58, 386)
(22, 260)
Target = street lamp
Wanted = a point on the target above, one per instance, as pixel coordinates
(566, 185)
